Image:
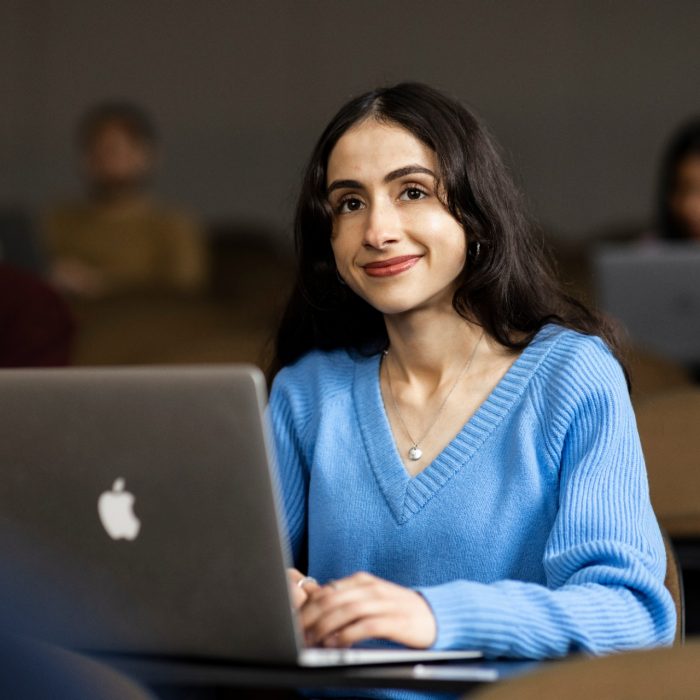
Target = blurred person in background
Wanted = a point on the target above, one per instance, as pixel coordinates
(119, 239)
(679, 186)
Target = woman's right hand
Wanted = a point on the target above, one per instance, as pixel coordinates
(300, 586)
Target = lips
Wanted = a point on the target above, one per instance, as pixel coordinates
(392, 266)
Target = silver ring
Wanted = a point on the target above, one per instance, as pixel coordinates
(306, 579)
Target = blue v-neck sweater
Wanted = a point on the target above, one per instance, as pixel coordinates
(530, 535)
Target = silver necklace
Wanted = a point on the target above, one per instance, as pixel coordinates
(415, 452)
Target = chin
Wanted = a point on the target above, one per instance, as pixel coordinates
(396, 307)
(395, 304)
(393, 309)
(387, 304)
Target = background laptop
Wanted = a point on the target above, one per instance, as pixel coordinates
(138, 515)
(654, 289)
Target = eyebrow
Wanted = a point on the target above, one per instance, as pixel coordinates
(393, 175)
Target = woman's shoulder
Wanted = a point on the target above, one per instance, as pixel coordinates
(577, 363)
(323, 372)
(571, 342)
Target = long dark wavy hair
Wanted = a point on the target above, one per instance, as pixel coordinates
(509, 288)
(684, 143)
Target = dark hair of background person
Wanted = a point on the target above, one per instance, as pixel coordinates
(134, 120)
(684, 143)
(509, 288)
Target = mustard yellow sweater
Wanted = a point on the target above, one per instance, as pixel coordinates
(142, 246)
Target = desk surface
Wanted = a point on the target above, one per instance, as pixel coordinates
(436, 677)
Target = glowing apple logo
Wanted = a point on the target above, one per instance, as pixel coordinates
(116, 509)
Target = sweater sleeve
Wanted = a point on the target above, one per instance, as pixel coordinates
(292, 468)
(604, 559)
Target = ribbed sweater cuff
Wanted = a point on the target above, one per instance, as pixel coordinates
(469, 615)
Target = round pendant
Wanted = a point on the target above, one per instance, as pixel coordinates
(415, 453)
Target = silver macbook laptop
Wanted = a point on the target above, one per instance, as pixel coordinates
(138, 515)
(654, 290)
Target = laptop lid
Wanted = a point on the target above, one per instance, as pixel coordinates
(654, 290)
(138, 514)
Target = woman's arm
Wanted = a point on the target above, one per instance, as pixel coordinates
(291, 467)
(604, 559)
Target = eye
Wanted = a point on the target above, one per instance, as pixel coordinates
(413, 193)
(349, 204)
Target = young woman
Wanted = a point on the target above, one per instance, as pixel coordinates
(458, 456)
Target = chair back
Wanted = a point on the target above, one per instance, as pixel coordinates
(652, 374)
(669, 427)
(674, 583)
(671, 673)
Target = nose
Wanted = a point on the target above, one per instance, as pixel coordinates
(382, 226)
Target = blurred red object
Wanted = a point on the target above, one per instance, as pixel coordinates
(36, 326)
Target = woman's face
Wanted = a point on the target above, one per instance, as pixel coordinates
(685, 200)
(395, 243)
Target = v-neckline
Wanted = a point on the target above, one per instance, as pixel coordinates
(405, 494)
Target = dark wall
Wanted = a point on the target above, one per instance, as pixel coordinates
(581, 93)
